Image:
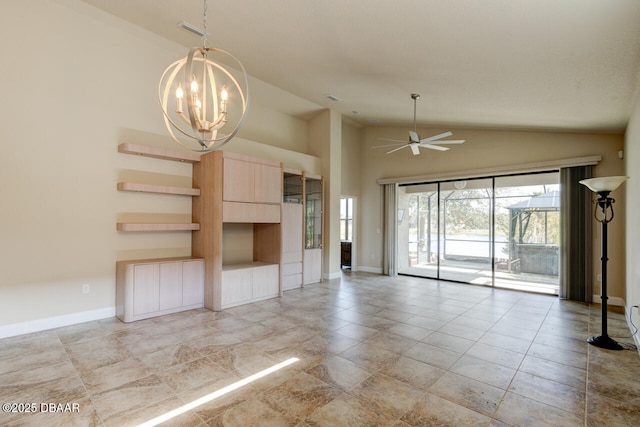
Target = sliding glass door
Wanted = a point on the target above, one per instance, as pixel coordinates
(466, 237)
(528, 219)
(498, 231)
(418, 230)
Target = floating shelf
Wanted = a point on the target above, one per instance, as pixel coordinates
(161, 189)
(159, 153)
(137, 226)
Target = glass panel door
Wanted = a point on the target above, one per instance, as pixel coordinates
(418, 230)
(466, 231)
(313, 213)
(528, 232)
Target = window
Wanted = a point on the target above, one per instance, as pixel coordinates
(346, 219)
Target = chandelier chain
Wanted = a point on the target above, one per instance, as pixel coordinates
(205, 41)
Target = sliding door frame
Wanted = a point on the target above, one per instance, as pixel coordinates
(492, 220)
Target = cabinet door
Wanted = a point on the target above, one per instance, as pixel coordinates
(170, 285)
(313, 213)
(268, 184)
(146, 289)
(291, 233)
(265, 281)
(237, 286)
(238, 181)
(193, 283)
(312, 265)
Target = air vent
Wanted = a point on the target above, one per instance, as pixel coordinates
(191, 27)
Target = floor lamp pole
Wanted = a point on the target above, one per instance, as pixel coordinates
(604, 340)
(603, 187)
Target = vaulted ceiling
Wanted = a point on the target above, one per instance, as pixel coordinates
(562, 65)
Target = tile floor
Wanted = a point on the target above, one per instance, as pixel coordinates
(371, 350)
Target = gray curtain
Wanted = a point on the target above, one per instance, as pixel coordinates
(576, 219)
(389, 261)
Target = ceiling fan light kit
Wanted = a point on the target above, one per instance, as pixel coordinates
(414, 139)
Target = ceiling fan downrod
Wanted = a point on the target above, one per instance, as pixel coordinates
(415, 97)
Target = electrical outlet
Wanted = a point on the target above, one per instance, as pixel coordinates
(86, 288)
(599, 277)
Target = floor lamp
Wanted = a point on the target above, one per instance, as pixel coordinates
(603, 186)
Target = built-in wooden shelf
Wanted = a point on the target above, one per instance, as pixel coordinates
(161, 189)
(138, 226)
(159, 153)
(245, 265)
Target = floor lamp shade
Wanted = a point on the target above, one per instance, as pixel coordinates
(605, 183)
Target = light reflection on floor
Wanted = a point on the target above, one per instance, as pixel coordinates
(216, 394)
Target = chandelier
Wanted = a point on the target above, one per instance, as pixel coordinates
(204, 100)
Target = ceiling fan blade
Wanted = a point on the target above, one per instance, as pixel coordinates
(413, 136)
(434, 137)
(389, 145)
(396, 149)
(394, 140)
(434, 147)
(453, 141)
(415, 149)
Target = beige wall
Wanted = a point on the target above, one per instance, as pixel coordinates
(351, 142)
(482, 149)
(632, 201)
(76, 82)
(275, 128)
(325, 141)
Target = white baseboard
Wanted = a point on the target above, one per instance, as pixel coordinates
(617, 301)
(376, 270)
(628, 311)
(332, 276)
(55, 322)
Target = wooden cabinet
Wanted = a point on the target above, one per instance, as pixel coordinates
(345, 254)
(266, 280)
(250, 212)
(170, 282)
(238, 189)
(268, 184)
(149, 288)
(312, 266)
(251, 180)
(313, 228)
(239, 180)
(145, 288)
(246, 283)
(237, 286)
(251, 189)
(292, 230)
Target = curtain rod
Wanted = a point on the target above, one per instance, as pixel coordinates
(499, 170)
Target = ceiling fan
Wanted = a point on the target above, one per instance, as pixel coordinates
(414, 139)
